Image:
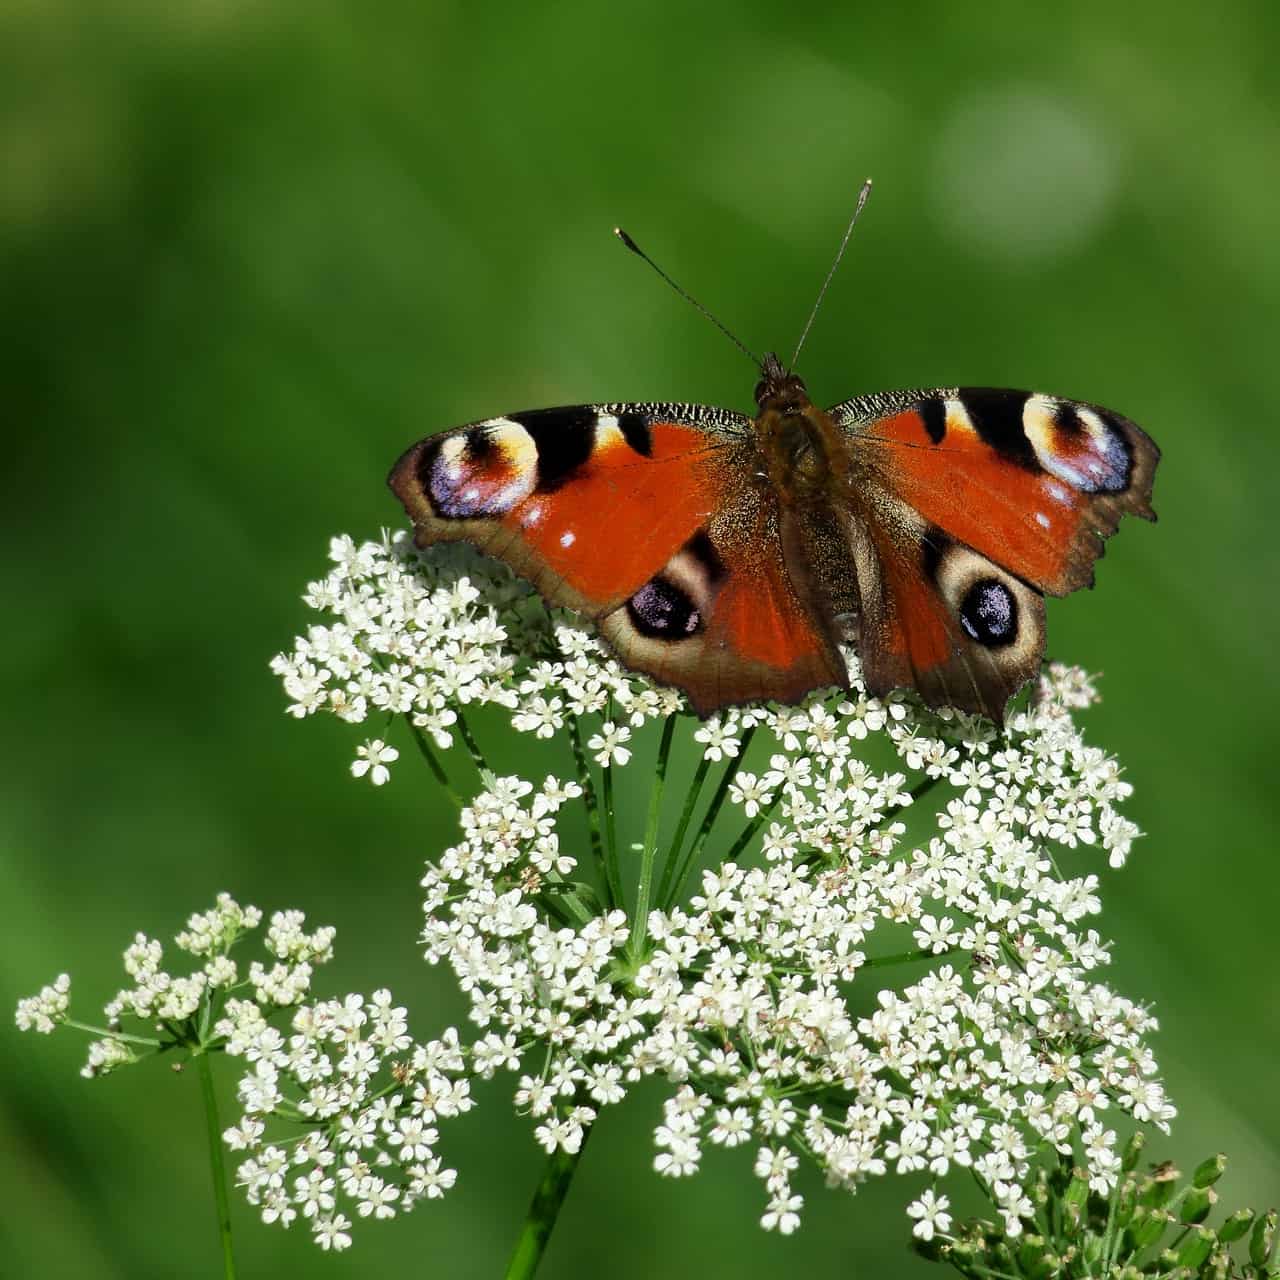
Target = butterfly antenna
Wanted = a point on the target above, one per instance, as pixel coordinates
(688, 297)
(822, 293)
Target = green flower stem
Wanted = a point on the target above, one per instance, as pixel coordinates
(473, 748)
(433, 763)
(921, 789)
(116, 1035)
(749, 831)
(543, 1211)
(709, 819)
(686, 814)
(1110, 1241)
(216, 1167)
(593, 806)
(906, 957)
(611, 836)
(640, 922)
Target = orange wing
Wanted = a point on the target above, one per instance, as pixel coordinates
(1032, 482)
(723, 619)
(937, 616)
(587, 503)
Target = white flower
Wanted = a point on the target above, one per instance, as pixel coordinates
(608, 744)
(930, 1212)
(374, 756)
(719, 737)
(783, 1214)
(43, 1012)
(332, 1232)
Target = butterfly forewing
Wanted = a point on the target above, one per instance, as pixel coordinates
(586, 502)
(1033, 482)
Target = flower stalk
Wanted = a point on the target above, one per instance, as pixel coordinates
(544, 1211)
(217, 1169)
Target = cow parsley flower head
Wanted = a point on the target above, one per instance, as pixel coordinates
(854, 932)
(340, 1107)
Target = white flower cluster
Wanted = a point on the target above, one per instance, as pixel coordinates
(368, 1098)
(428, 635)
(764, 998)
(357, 1099)
(48, 1010)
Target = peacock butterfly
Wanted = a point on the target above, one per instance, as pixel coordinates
(730, 556)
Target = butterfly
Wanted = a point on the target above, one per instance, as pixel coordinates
(732, 556)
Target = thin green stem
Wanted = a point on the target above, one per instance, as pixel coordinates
(593, 806)
(907, 957)
(709, 818)
(970, 1267)
(473, 748)
(677, 841)
(611, 836)
(640, 923)
(115, 1035)
(749, 831)
(433, 763)
(543, 1211)
(1109, 1235)
(918, 792)
(216, 1167)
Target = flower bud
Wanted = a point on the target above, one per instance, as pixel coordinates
(1132, 1150)
(1075, 1197)
(1158, 1188)
(1196, 1248)
(1236, 1226)
(1146, 1227)
(1030, 1254)
(1263, 1240)
(1210, 1171)
(1196, 1204)
(1126, 1201)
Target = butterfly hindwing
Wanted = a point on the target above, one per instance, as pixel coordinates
(937, 616)
(725, 620)
(1033, 482)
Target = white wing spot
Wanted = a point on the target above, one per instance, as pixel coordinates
(607, 431)
(958, 419)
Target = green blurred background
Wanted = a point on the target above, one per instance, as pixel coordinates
(249, 251)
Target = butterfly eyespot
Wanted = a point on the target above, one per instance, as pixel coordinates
(482, 472)
(989, 613)
(662, 611)
(1078, 445)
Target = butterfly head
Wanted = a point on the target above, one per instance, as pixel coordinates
(778, 389)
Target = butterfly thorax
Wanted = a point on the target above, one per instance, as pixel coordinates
(803, 451)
